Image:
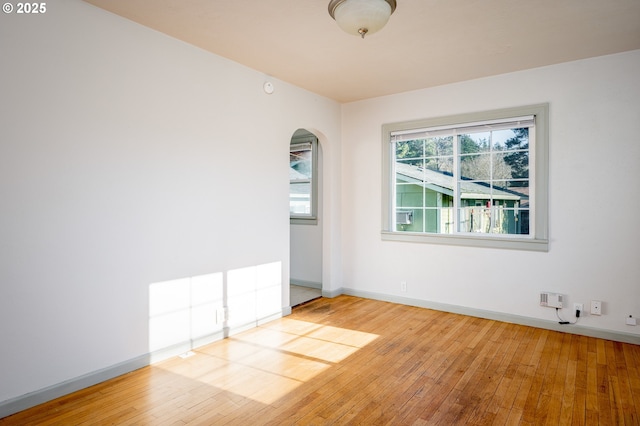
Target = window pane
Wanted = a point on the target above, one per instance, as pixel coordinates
(516, 187)
(410, 149)
(475, 167)
(439, 146)
(500, 168)
(433, 220)
(300, 164)
(439, 164)
(409, 195)
(410, 175)
(518, 161)
(425, 176)
(514, 221)
(415, 163)
(300, 198)
(474, 143)
(432, 153)
(513, 195)
(409, 220)
(475, 219)
(512, 139)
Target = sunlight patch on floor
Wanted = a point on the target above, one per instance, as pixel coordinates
(267, 362)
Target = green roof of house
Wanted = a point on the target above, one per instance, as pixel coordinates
(443, 182)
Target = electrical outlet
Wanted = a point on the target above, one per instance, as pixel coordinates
(578, 307)
(631, 320)
(596, 307)
(403, 286)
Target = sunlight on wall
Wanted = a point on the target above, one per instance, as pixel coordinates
(184, 310)
(254, 293)
(268, 362)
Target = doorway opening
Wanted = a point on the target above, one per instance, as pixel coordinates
(305, 207)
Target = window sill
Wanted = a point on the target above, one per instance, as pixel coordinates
(529, 244)
(303, 221)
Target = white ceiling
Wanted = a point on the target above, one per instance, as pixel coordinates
(426, 42)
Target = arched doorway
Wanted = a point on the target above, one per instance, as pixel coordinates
(305, 207)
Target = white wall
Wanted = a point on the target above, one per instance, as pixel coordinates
(594, 197)
(306, 254)
(128, 158)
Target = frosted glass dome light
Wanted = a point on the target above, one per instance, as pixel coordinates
(361, 17)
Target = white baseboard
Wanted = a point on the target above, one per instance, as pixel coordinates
(15, 405)
(304, 283)
(498, 316)
(32, 399)
(334, 293)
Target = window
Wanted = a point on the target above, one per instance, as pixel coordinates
(474, 179)
(303, 179)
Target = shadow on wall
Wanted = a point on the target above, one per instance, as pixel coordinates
(190, 312)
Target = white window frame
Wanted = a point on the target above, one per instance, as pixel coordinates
(312, 218)
(537, 240)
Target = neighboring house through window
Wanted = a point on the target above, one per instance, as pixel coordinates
(473, 179)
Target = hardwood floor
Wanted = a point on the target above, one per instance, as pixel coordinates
(356, 361)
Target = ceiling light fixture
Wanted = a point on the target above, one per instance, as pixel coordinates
(361, 17)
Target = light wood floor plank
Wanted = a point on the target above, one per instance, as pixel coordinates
(350, 360)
